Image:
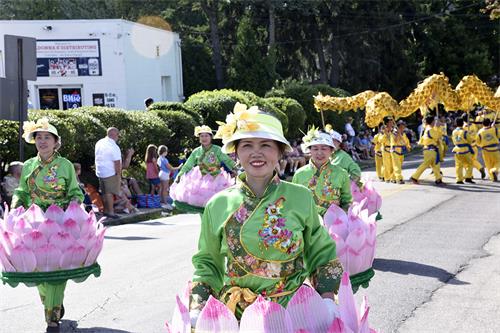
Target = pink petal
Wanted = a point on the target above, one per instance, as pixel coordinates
(34, 215)
(216, 317)
(49, 228)
(181, 322)
(62, 240)
(5, 264)
(336, 217)
(54, 213)
(34, 239)
(22, 226)
(76, 212)
(23, 259)
(89, 226)
(308, 311)
(9, 240)
(341, 249)
(265, 316)
(73, 257)
(48, 258)
(364, 310)
(347, 304)
(71, 226)
(338, 326)
(355, 243)
(96, 249)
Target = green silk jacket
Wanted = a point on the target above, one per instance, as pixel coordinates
(344, 160)
(46, 183)
(269, 245)
(209, 160)
(329, 185)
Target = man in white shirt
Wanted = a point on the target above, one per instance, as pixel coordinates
(349, 130)
(108, 168)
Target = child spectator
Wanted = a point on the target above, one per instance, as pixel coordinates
(11, 180)
(164, 175)
(152, 173)
(86, 199)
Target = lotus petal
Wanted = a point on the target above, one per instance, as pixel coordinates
(265, 316)
(308, 311)
(355, 243)
(338, 327)
(9, 240)
(34, 239)
(11, 218)
(75, 211)
(62, 240)
(54, 213)
(71, 227)
(336, 218)
(34, 216)
(23, 259)
(22, 226)
(216, 317)
(48, 258)
(363, 323)
(181, 322)
(96, 249)
(89, 226)
(5, 264)
(73, 257)
(49, 228)
(341, 249)
(348, 311)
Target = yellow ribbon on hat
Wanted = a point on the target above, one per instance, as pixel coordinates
(30, 126)
(312, 133)
(237, 294)
(240, 119)
(202, 129)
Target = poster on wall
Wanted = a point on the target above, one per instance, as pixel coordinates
(69, 58)
(72, 98)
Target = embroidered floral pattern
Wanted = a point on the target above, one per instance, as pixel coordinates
(328, 194)
(273, 232)
(241, 214)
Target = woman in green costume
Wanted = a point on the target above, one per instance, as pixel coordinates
(201, 176)
(47, 179)
(262, 236)
(329, 184)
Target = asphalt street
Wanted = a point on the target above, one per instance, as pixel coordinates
(436, 267)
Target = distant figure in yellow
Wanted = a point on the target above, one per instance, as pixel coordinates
(385, 142)
(463, 152)
(400, 145)
(430, 140)
(445, 141)
(472, 129)
(379, 162)
(488, 140)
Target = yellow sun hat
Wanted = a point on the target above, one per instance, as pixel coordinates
(249, 123)
(41, 125)
(202, 129)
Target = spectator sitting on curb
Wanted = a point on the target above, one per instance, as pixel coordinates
(11, 180)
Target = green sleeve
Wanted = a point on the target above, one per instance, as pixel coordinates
(353, 169)
(74, 191)
(346, 195)
(21, 196)
(225, 158)
(190, 163)
(208, 262)
(320, 254)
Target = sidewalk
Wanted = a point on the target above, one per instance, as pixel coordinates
(144, 214)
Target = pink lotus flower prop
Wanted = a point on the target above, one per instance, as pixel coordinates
(196, 189)
(307, 312)
(34, 241)
(373, 199)
(354, 234)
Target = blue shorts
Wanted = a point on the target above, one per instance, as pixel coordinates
(154, 181)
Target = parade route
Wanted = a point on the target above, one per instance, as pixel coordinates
(436, 267)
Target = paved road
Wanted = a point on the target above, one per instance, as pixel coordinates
(436, 268)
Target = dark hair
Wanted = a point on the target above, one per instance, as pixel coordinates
(486, 122)
(429, 119)
(148, 101)
(151, 152)
(281, 146)
(459, 122)
(55, 136)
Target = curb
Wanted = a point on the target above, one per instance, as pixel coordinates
(144, 214)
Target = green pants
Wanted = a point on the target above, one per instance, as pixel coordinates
(52, 296)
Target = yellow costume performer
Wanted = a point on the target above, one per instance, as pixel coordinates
(400, 145)
(488, 141)
(385, 142)
(379, 162)
(463, 153)
(472, 129)
(445, 141)
(430, 141)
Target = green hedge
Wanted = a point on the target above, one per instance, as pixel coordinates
(295, 113)
(304, 94)
(177, 106)
(215, 105)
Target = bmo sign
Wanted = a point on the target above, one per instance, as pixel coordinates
(71, 98)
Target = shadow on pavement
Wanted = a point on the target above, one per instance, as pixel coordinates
(414, 268)
(129, 238)
(71, 326)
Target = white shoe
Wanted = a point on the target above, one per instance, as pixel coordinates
(167, 206)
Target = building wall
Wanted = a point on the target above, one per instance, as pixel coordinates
(131, 71)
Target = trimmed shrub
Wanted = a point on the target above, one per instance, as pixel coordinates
(177, 106)
(295, 113)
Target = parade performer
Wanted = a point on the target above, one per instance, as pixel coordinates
(379, 162)
(202, 175)
(48, 182)
(430, 142)
(400, 145)
(342, 159)
(463, 152)
(385, 142)
(488, 141)
(329, 184)
(262, 236)
(472, 129)
(445, 140)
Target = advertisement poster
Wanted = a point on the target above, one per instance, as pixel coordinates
(70, 58)
(98, 99)
(72, 98)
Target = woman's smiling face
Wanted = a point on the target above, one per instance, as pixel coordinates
(258, 157)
